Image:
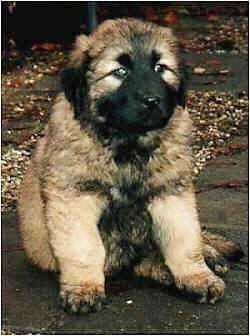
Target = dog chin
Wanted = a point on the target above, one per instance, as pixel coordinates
(135, 129)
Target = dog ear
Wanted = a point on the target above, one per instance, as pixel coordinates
(80, 51)
(181, 94)
(73, 81)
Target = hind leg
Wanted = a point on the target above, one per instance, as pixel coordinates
(224, 247)
(214, 259)
(32, 223)
(154, 268)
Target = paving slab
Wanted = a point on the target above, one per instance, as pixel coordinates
(236, 65)
(223, 200)
(30, 296)
(225, 168)
(224, 209)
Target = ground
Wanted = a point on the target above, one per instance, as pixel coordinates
(215, 51)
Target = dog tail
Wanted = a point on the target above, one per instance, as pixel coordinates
(227, 248)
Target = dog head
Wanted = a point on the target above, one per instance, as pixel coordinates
(126, 77)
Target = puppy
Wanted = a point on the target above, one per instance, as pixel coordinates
(109, 185)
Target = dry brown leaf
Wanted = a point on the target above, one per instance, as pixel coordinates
(46, 46)
(13, 83)
(171, 17)
(212, 17)
(150, 13)
(184, 43)
(232, 184)
(213, 62)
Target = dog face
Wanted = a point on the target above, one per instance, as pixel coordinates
(125, 77)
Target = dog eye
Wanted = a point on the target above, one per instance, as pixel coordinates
(160, 68)
(121, 72)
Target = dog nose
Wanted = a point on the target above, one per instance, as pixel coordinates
(151, 101)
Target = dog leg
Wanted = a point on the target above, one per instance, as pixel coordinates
(177, 232)
(76, 243)
(225, 247)
(33, 223)
(154, 268)
(214, 259)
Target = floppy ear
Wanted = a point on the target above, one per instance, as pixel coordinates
(74, 86)
(181, 94)
(73, 79)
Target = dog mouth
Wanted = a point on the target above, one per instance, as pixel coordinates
(138, 128)
(131, 122)
(133, 130)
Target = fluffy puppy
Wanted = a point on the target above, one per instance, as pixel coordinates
(109, 185)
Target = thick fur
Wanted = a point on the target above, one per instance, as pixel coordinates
(92, 203)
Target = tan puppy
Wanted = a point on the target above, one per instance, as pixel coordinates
(109, 185)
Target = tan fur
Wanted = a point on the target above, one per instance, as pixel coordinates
(223, 246)
(59, 220)
(214, 259)
(177, 231)
(32, 218)
(79, 52)
(154, 268)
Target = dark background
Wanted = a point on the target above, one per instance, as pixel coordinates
(60, 21)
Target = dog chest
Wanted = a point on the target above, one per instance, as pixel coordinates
(127, 213)
(126, 224)
(126, 228)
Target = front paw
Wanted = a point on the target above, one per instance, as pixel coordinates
(205, 286)
(83, 298)
(215, 260)
(218, 264)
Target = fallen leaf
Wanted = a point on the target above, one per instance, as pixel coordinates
(5, 123)
(46, 46)
(150, 13)
(229, 150)
(224, 72)
(213, 62)
(183, 11)
(13, 83)
(18, 109)
(184, 43)
(232, 184)
(171, 17)
(212, 17)
(129, 302)
(222, 162)
(199, 71)
(29, 82)
(224, 184)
